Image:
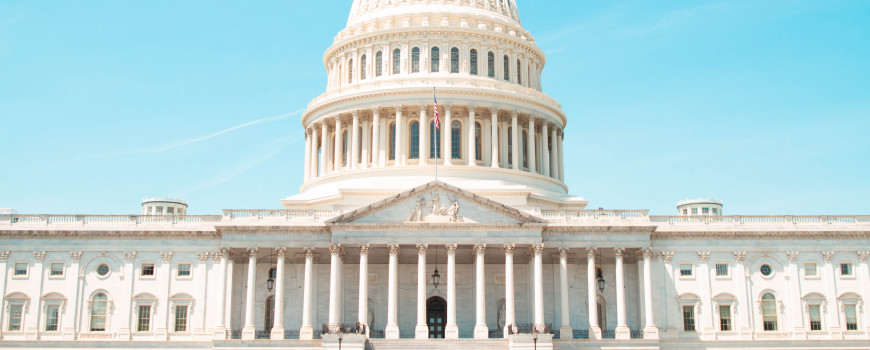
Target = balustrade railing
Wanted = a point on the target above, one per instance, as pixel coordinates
(276, 215)
(763, 220)
(89, 220)
(595, 215)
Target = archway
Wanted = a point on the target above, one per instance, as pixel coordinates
(436, 316)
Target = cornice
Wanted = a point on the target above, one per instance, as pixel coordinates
(440, 227)
(312, 229)
(109, 234)
(567, 229)
(760, 234)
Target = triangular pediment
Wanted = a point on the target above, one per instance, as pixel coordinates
(436, 203)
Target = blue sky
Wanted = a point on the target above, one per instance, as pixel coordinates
(763, 104)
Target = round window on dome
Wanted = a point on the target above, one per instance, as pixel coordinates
(103, 270)
(766, 270)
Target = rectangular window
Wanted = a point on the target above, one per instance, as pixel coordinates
(689, 318)
(685, 270)
(685, 211)
(20, 269)
(181, 318)
(144, 321)
(815, 317)
(845, 269)
(694, 211)
(810, 269)
(15, 313)
(183, 270)
(721, 270)
(56, 269)
(147, 270)
(705, 211)
(725, 318)
(851, 317)
(51, 318)
(715, 211)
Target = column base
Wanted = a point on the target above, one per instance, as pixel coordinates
(623, 332)
(451, 332)
(392, 331)
(249, 333)
(219, 333)
(421, 331)
(650, 332)
(527, 342)
(594, 333)
(277, 333)
(566, 332)
(306, 333)
(481, 332)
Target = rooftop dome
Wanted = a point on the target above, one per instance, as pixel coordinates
(367, 10)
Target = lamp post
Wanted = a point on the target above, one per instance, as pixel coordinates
(535, 336)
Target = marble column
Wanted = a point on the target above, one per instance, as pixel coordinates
(249, 332)
(545, 150)
(493, 124)
(307, 167)
(832, 311)
(742, 311)
(392, 329)
(421, 331)
(363, 306)
(650, 331)
(554, 157)
(220, 332)
(315, 148)
(451, 330)
(565, 310)
(515, 142)
(561, 157)
(354, 142)
(377, 159)
(337, 147)
(324, 131)
(366, 142)
(531, 145)
(399, 141)
(278, 319)
(480, 329)
(863, 272)
(334, 262)
(306, 332)
(447, 153)
(794, 290)
(472, 137)
(592, 292)
(509, 302)
(538, 251)
(622, 330)
(424, 136)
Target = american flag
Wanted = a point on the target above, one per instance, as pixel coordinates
(437, 119)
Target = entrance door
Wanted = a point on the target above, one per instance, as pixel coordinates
(436, 316)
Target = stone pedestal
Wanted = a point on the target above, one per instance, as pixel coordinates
(595, 333)
(347, 342)
(306, 333)
(650, 333)
(623, 332)
(391, 332)
(528, 342)
(451, 332)
(565, 332)
(277, 333)
(249, 333)
(421, 331)
(481, 332)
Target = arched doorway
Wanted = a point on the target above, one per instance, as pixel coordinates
(436, 316)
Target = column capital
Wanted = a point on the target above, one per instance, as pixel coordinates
(451, 248)
(863, 255)
(394, 249)
(509, 248)
(537, 248)
(167, 256)
(668, 256)
(828, 256)
(355, 114)
(739, 255)
(421, 248)
(75, 256)
(619, 252)
(471, 108)
(423, 108)
(792, 255)
(647, 253)
(39, 255)
(4, 255)
(514, 113)
(216, 255)
(494, 109)
(703, 256)
(590, 252)
(364, 248)
(309, 252)
(376, 110)
(399, 108)
(280, 252)
(479, 249)
(563, 252)
(335, 249)
(201, 256)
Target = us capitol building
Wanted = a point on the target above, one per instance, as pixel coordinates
(376, 252)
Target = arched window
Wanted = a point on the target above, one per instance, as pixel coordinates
(454, 60)
(456, 139)
(99, 306)
(362, 67)
(397, 61)
(344, 147)
(478, 137)
(269, 313)
(510, 146)
(434, 141)
(392, 143)
(349, 71)
(507, 68)
(473, 61)
(490, 64)
(519, 73)
(435, 59)
(379, 63)
(415, 60)
(525, 149)
(768, 311)
(414, 140)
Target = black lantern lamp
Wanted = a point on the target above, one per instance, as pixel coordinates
(600, 283)
(436, 277)
(270, 282)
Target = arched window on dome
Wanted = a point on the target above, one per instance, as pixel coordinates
(434, 141)
(397, 61)
(490, 64)
(435, 59)
(519, 73)
(768, 312)
(478, 141)
(392, 143)
(414, 140)
(415, 60)
(99, 308)
(344, 147)
(510, 146)
(507, 68)
(472, 61)
(349, 71)
(456, 140)
(379, 63)
(524, 152)
(454, 60)
(362, 67)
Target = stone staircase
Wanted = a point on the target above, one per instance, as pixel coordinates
(425, 344)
